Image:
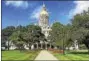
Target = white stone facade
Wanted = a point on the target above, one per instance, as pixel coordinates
(44, 21)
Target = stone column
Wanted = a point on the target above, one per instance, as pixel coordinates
(41, 45)
(76, 45)
(37, 45)
(46, 44)
(50, 45)
(32, 47)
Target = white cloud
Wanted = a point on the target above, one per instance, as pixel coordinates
(36, 12)
(17, 4)
(79, 7)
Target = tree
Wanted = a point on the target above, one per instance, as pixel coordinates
(6, 33)
(17, 39)
(33, 35)
(21, 28)
(80, 24)
(56, 34)
(28, 37)
(23, 35)
(67, 35)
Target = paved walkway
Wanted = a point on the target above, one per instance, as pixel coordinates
(45, 55)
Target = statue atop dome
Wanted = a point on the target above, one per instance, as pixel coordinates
(44, 11)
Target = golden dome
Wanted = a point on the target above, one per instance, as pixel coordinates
(44, 11)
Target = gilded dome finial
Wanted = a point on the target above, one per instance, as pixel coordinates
(44, 11)
(43, 7)
(43, 4)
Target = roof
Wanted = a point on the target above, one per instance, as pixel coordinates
(44, 11)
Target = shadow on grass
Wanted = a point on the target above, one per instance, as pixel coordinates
(79, 52)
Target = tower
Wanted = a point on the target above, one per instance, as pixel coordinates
(43, 17)
(44, 21)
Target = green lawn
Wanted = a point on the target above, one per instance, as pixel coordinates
(17, 55)
(73, 55)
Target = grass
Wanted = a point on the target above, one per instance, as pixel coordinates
(73, 55)
(17, 55)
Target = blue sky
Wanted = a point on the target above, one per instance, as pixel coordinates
(16, 13)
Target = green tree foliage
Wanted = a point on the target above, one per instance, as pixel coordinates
(80, 24)
(33, 35)
(61, 35)
(67, 35)
(77, 30)
(56, 33)
(17, 39)
(6, 33)
(26, 35)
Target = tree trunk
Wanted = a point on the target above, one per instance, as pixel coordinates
(30, 46)
(64, 50)
(8, 45)
(19, 46)
(68, 48)
(19, 49)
